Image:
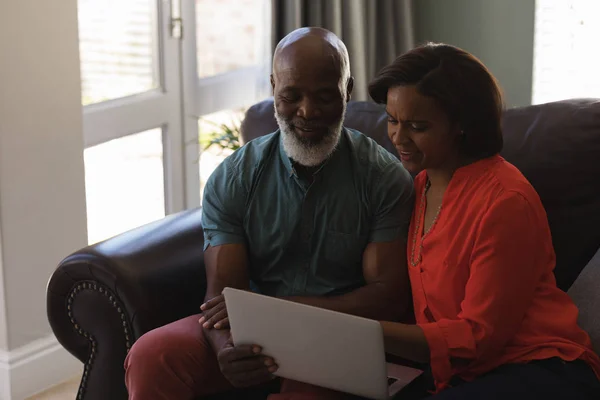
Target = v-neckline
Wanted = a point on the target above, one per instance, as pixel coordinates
(456, 176)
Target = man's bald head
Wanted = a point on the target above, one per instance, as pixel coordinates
(315, 44)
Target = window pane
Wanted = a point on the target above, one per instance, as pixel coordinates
(124, 184)
(231, 34)
(214, 128)
(118, 47)
(565, 66)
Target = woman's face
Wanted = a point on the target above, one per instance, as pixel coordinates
(420, 131)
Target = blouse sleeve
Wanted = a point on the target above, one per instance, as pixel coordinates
(508, 259)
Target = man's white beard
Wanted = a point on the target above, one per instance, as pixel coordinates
(308, 153)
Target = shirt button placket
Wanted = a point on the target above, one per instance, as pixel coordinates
(306, 230)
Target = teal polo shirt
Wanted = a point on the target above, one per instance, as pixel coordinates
(307, 238)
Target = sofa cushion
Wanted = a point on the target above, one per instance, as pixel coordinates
(586, 294)
(366, 117)
(557, 147)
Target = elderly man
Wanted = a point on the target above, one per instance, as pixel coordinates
(314, 213)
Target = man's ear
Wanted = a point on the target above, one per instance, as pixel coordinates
(349, 87)
(272, 85)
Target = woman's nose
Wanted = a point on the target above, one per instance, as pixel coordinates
(398, 137)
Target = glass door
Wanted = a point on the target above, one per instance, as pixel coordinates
(130, 54)
(227, 63)
(161, 78)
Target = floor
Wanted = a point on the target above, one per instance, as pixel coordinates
(64, 391)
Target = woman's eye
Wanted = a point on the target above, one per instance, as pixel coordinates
(418, 128)
(392, 121)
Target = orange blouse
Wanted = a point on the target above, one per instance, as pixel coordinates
(482, 278)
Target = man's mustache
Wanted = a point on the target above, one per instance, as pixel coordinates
(306, 125)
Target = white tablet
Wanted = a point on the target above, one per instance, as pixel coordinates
(316, 346)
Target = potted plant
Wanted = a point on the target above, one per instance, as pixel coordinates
(227, 137)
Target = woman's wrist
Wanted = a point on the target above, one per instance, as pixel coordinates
(406, 341)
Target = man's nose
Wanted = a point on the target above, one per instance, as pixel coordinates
(308, 109)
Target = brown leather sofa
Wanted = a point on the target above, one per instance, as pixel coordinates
(102, 298)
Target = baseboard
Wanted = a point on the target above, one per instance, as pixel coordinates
(34, 368)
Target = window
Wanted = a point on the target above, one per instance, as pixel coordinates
(566, 60)
(132, 114)
(151, 96)
(233, 56)
(124, 184)
(118, 48)
(219, 138)
(230, 35)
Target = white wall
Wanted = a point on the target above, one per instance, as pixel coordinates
(498, 32)
(3, 330)
(42, 192)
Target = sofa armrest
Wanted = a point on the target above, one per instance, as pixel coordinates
(584, 293)
(102, 298)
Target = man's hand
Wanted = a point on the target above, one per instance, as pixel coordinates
(244, 365)
(214, 314)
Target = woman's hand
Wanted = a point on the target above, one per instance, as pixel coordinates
(406, 341)
(214, 314)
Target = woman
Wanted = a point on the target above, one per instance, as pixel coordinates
(491, 322)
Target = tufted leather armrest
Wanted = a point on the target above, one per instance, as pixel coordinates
(102, 298)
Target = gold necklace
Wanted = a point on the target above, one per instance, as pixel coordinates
(421, 212)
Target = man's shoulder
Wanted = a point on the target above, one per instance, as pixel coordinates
(248, 157)
(244, 163)
(255, 150)
(374, 158)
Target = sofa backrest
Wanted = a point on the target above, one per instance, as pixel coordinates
(555, 145)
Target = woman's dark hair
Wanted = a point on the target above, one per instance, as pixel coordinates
(462, 86)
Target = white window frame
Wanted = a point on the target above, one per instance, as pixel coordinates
(232, 90)
(181, 99)
(157, 108)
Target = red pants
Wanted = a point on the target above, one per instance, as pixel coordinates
(176, 362)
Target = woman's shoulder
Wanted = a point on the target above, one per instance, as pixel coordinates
(511, 180)
(504, 186)
(497, 192)
(484, 182)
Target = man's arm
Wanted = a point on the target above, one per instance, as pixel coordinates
(225, 253)
(386, 295)
(226, 266)
(243, 366)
